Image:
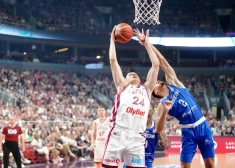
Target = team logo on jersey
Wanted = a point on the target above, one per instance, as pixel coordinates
(135, 111)
(112, 160)
(137, 161)
(12, 131)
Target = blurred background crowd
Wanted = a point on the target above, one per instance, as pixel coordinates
(58, 107)
(178, 18)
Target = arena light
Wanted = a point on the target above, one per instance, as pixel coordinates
(61, 50)
(193, 42)
(94, 66)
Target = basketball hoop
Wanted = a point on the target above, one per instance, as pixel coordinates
(147, 12)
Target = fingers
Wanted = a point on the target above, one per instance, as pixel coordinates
(114, 28)
(168, 102)
(136, 31)
(147, 33)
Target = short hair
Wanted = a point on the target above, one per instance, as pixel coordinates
(156, 96)
(100, 106)
(130, 72)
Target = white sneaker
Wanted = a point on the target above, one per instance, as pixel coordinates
(13, 165)
(8, 166)
(26, 161)
(82, 159)
(22, 165)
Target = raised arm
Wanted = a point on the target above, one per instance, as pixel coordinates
(153, 72)
(170, 74)
(118, 78)
(162, 110)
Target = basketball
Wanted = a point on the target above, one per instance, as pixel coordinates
(123, 33)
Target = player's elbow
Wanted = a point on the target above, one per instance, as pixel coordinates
(112, 60)
(155, 66)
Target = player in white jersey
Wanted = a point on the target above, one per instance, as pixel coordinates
(130, 112)
(100, 131)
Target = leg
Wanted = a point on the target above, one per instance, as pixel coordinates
(6, 153)
(209, 162)
(188, 147)
(113, 150)
(98, 165)
(16, 154)
(186, 159)
(68, 151)
(148, 164)
(134, 155)
(98, 155)
(206, 146)
(45, 151)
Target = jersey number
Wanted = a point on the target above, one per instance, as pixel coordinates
(183, 103)
(137, 101)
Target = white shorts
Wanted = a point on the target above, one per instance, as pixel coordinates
(124, 145)
(99, 152)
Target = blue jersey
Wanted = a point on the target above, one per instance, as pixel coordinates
(184, 106)
(187, 111)
(151, 142)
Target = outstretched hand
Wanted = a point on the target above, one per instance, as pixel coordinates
(112, 38)
(143, 39)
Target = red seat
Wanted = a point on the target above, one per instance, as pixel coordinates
(32, 155)
(26, 153)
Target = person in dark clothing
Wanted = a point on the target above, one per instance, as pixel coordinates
(11, 134)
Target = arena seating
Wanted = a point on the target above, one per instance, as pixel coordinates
(194, 18)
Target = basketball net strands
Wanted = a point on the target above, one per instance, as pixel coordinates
(147, 11)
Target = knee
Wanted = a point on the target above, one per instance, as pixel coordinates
(210, 165)
(185, 165)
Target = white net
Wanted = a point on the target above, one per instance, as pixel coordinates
(147, 11)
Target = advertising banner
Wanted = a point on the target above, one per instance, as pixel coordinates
(223, 144)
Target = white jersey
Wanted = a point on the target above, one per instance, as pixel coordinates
(131, 107)
(102, 130)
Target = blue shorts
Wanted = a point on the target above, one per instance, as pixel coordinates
(200, 136)
(148, 163)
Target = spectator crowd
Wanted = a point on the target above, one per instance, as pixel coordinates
(56, 110)
(186, 18)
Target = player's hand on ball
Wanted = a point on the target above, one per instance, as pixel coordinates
(112, 38)
(167, 105)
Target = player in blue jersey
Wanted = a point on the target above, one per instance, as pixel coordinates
(152, 139)
(179, 103)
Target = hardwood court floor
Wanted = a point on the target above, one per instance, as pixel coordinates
(221, 161)
(161, 161)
